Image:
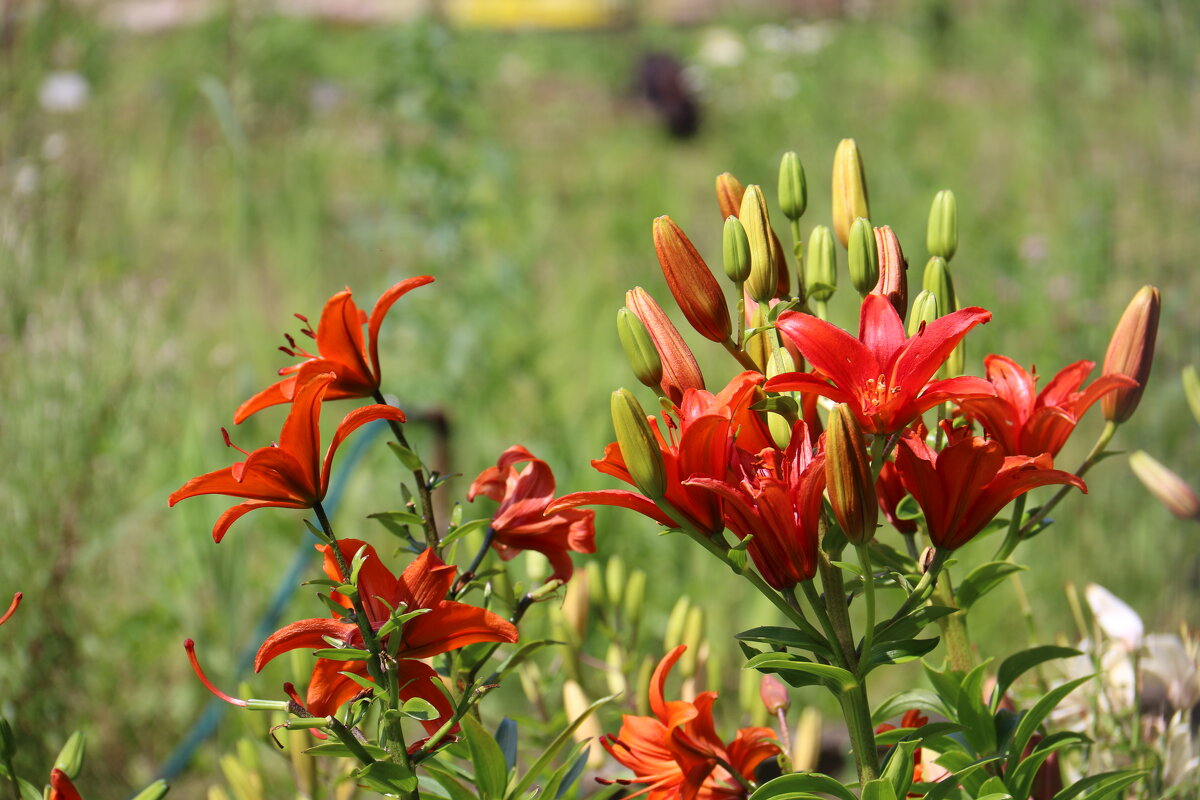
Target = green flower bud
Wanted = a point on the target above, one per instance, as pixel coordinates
(614, 675)
(635, 597)
(848, 476)
(941, 237)
(736, 249)
(693, 637)
(70, 758)
(1191, 389)
(925, 310)
(820, 268)
(156, 791)
(673, 633)
(764, 271)
(595, 584)
(849, 189)
(639, 349)
(642, 694)
(863, 256)
(937, 280)
(793, 188)
(639, 446)
(614, 579)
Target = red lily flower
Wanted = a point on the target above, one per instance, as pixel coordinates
(675, 752)
(522, 522)
(447, 625)
(775, 496)
(1026, 424)
(340, 350)
(698, 444)
(61, 787)
(962, 488)
(883, 374)
(12, 608)
(290, 474)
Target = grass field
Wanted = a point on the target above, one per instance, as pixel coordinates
(155, 242)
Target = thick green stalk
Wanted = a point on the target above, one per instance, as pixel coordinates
(864, 557)
(838, 610)
(954, 629)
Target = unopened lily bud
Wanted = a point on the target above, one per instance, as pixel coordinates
(639, 446)
(774, 695)
(848, 476)
(575, 703)
(680, 370)
(575, 604)
(1191, 390)
(729, 194)
(937, 279)
(614, 675)
(673, 634)
(758, 346)
(639, 349)
(1167, 487)
(793, 188)
(863, 257)
(764, 271)
(941, 237)
(893, 270)
(1131, 352)
(70, 758)
(157, 790)
(595, 584)
(635, 597)
(820, 268)
(735, 248)
(690, 281)
(693, 636)
(614, 579)
(925, 309)
(642, 693)
(849, 189)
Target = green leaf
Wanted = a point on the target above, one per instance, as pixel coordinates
(780, 404)
(1032, 719)
(1020, 780)
(908, 508)
(1019, 663)
(506, 737)
(964, 774)
(449, 782)
(787, 787)
(849, 567)
(466, 529)
(416, 708)
(517, 656)
(340, 750)
(879, 789)
(786, 637)
(491, 776)
(900, 652)
(982, 580)
(398, 517)
(407, 457)
(550, 752)
(920, 699)
(911, 624)
(898, 770)
(574, 768)
(28, 790)
(387, 776)
(342, 654)
(1106, 784)
(835, 678)
(921, 734)
(974, 714)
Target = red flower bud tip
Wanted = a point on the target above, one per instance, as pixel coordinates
(729, 194)
(848, 476)
(893, 270)
(774, 695)
(679, 367)
(690, 281)
(1167, 487)
(190, 646)
(61, 787)
(12, 608)
(1131, 352)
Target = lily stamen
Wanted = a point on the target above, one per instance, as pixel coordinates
(190, 646)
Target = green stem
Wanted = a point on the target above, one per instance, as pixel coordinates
(427, 514)
(1106, 435)
(741, 355)
(864, 557)
(347, 737)
(857, 713)
(741, 315)
(469, 572)
(839, 610)
(738, 776)
(1013, 537)
(919, 592)
(798, 250)
(12, 777)
(954, 630)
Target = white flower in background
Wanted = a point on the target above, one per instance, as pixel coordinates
(811, 38)
(1170, 671)
(721, 47)
(1180, 760)
(63, 92)
(1116, 619)
(773, 38)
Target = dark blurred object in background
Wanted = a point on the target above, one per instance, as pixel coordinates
(660, 80)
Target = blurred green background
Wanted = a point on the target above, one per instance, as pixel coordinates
(169, 199)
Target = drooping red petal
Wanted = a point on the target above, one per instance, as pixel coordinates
(450, 626)
(807, 383)
(328, 689)
(340, 339)
(658, 681)
(350, 423)
(924, 353)
(999, 419)
(235, 513)
(382, 306)
(416, 680)
(375, 580)
(275, 394)
(828, 348)
(613, 497)
(301, 433)
(1098, 389)
(963, 470)
(305, 634)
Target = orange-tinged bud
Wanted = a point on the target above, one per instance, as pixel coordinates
(763, 282)
(774, 694)
(679, 367)
(1131, 352)
(690, 281)
(729, 194)
(848, 476)
(639, 446)
(893, 270)
(849, 189)
(1167, 487)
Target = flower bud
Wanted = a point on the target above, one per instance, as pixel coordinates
(70, 758)
(849, 189)
(848, 476)
(673, 633)
(639, 349)
(693, 637)
(595, 584)
(575, 604)
(690, 281)
(614, 579)
(1167, 487)
(575, 703)
(736, 250)
(635, 597)
(937, 279)
(157, 790)
(641, 695)
(941, 237)
(764, 271)
(820, 268)
(925, 309)
(793, 188)
(614, 675)
(1191, 389)
(729, 194)
(863, 257)
(893, 270)
(639, 446)
(1131, 352)
(680, 370)
(774, 695)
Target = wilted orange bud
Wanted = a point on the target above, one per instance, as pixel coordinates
(679, 368)
(690, 281)
(729, 194)
(893, 270)
(1165, 485)
(774, 694)
(849, 189)
(1131, 352)
(848, 476)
